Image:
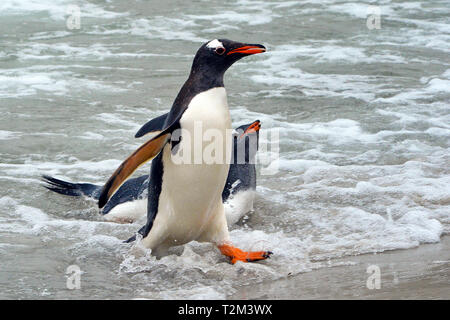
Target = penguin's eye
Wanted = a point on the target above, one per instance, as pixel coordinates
(220, 50)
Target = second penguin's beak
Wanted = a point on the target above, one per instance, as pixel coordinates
(254, 127)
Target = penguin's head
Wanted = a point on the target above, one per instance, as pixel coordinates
(217, 55)
(248, 129)
(246, 140)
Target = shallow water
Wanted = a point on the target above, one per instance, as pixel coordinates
(363, 117)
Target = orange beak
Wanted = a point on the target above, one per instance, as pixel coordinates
(254, 127)
(250, 49)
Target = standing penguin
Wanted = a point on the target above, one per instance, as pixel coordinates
(185, 199)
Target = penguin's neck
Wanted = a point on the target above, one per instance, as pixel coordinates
(205, 79)
(199, 81)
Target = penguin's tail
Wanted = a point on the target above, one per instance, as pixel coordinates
(72, 189)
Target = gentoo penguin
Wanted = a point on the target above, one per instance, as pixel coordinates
(185, 197)
(129, 203)
(240, 188)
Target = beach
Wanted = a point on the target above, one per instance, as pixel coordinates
(419, 273)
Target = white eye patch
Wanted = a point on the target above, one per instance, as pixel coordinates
(214, 44)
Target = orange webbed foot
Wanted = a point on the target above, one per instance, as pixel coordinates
(236, 254)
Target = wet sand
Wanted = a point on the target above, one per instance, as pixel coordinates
(419, 273)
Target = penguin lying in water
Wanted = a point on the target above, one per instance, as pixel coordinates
(185, 197)
(129, 203)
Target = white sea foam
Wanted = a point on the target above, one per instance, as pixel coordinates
(25, 82)
(7, 135)
(250, 13)
(32, 168)
(322, 52)
(66, 51)
(115, 119)
(195, 293)
(431, 87)
(229, 18)
(280, 68)
(57, 10)
(162, 28)
(22, 219)
(88, 135)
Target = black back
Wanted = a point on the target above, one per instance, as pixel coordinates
(242, 174)
(132, 189)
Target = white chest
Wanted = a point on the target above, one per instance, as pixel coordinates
(210, 108)
(205, 130)
(192, 186)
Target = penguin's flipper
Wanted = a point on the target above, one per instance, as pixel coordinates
(72, 189)
(145, 153)
(153, 126)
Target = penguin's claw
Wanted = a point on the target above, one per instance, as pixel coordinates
(236, 254)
